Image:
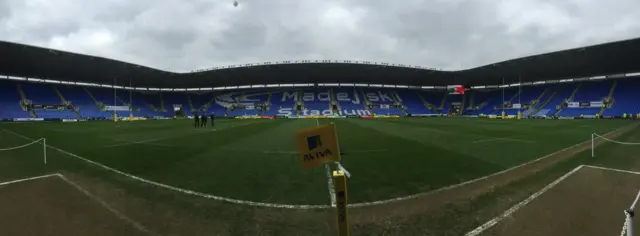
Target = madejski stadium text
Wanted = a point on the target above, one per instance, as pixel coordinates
(375, 97)
(346, 112)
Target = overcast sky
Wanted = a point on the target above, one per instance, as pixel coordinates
(184, 35)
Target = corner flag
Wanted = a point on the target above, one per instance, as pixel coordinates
(318, 145)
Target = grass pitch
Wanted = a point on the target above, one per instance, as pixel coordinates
(255, 160)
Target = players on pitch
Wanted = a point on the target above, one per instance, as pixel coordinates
(201, 120)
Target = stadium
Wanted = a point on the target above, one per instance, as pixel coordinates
(95, 146)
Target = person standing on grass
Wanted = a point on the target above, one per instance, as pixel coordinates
(212, 120)
(204, 120)
(196, 120)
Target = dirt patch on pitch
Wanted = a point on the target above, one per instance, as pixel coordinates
(50, 206)
(168, 212)
(461, 194)
(589, 202)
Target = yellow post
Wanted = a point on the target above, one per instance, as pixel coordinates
(502, 115)
(519, 115)
(115, 117)
(340, 186)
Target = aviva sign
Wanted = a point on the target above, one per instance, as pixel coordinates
(318, 145)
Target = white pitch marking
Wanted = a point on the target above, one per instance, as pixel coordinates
(287, 206)
(139, 142)
(21, 146)
(381, 202)
(280, 152)
(366, 150)
(504, 138)
(27, 179)
(612, 169)
(107, 206)
(332, 193)
(177, 189)
(85, 192)
(516, 207)
(327, 168)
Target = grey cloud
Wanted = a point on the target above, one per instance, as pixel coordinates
(186, 35)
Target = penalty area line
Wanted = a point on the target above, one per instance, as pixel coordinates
(146, 142)
(28, 179)
(612, 169)
(119, 215)
(177, 189)
(521, 204)
(512, 139)
(106, 206)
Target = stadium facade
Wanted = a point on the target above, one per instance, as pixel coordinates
(595, 81)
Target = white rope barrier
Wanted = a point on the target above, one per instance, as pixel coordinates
(627, 218)
(627, 227)
(614, 141)
(44, 147)
(18, 147)
(594, 136)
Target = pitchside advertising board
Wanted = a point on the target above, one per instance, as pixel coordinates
(592, 104)
(48, 107)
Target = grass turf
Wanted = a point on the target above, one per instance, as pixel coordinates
(255, 159)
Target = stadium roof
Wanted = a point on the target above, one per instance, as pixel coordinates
(34, 62)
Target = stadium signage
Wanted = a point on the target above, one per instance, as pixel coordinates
(573, 104)
(424, 115)
(345, 112)
(593, 104)
(116, 108)
(69, 120)
(28, 119)
(353, 98)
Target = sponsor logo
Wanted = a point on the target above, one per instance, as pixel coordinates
(28, 119)
(425, 115)
(116, 108)
(314, 142)
(316, 151)
(69, 120)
